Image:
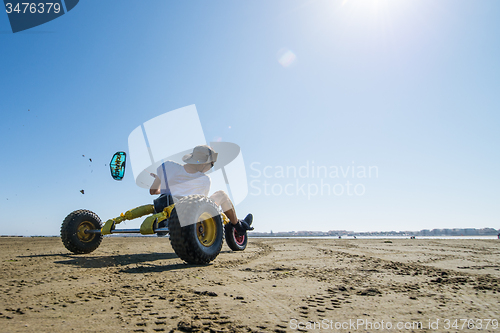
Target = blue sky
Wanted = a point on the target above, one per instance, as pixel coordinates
(411, 87)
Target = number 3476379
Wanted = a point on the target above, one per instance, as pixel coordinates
(33, 8)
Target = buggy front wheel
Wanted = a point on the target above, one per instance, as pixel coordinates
(235, 241)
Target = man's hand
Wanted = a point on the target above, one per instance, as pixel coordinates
(155, 187)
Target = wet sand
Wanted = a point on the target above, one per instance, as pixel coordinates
(138, 284)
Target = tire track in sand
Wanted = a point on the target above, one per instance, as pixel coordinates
(275, 311)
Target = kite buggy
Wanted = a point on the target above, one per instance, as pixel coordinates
(198, 240)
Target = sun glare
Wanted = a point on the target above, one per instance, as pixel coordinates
(375, 20)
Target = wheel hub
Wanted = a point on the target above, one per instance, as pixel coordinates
(82, 235)
(239, 239)
(206, 230)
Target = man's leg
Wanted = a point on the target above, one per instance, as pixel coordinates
(222, 199)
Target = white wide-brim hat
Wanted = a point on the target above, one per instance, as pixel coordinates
(201, 155)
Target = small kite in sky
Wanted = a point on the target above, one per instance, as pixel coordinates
(82, 191)
(117, 165)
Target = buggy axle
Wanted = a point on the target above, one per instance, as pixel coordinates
(125, 231)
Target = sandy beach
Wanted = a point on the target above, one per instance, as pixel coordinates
(138, 284)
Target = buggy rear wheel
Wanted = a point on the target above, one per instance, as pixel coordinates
(73, 233)
(199, 239)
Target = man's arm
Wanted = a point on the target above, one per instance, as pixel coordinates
(155, 188)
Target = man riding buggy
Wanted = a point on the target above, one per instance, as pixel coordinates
(196, 223)
(178, 180)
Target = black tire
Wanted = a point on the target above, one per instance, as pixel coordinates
(73, 233)
(190, 242)
(235, 242)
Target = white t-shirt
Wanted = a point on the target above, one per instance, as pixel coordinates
(180, 182)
